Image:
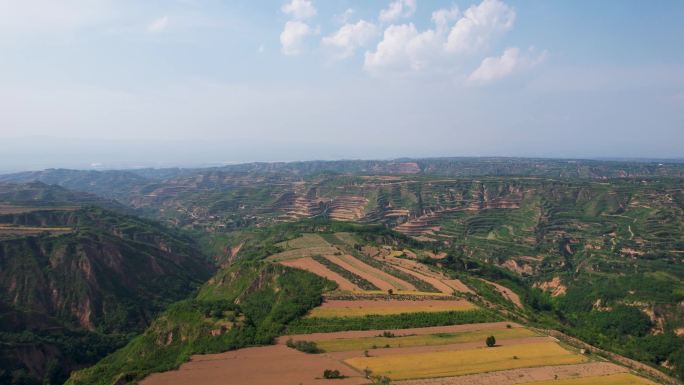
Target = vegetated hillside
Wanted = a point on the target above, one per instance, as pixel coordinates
(259, 301)
(38, 194)
(464, 167)
(108, 184)
(125, 185)
(69, 298)
(224, 314)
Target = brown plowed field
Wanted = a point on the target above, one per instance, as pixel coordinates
(267, 365)
(422, 272)
(313, 266)
(377, 277)
(350, 308)
(507, 293)
(437, 283)
(458, 286)
(525, 375)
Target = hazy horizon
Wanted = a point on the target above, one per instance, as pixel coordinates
(123, 155)
(121, 84)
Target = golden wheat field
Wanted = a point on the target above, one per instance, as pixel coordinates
(455, 363)
(613, 379)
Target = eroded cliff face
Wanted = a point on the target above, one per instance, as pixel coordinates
(109, 276)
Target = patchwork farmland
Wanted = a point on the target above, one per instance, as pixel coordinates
(393, 319)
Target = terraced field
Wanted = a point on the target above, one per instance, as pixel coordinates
(358, 308)
(330, 256)
(451, 355)
(378, 327)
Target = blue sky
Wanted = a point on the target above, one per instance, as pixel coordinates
(189, 81)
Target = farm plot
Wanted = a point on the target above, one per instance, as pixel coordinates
(349, 308)
(10, 231)
(506, 293)
(255, 366)
(309, 264)
(613, 379)
(460, 362)
(396, 339)
(493, 326)
(599, 373)
(424, 273)
(305, 241)
(377, 277)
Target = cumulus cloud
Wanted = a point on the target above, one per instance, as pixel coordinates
(344, 17)
(299, 9)
(452, 37)
(444, 17)
(293, 36)
(396, 10)
(403, 48)
(350, 37)
(498, 67)
(158, 25)
(479, 24)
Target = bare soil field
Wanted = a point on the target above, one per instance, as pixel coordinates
(594, 371)
(348, 308)
(432, 280)
(266, 365)
(375, 276)
(313, 266)
(459, 286)
(507, 293)
(424, 273)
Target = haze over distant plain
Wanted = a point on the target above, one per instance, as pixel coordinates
(102, 83)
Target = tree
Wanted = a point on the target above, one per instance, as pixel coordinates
(332, 374)
(490, 341)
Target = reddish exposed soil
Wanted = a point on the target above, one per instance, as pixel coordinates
(313, 266)
(507, 293)
(266, 365)
(377, 277)
(400, 305)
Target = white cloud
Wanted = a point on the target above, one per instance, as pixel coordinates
(293, 36)
(443, 17)
(403, 48)
(479, 24)
(299, 9)
(158, 25)
(499, 67)
(442, 47)
(350, 37)
(344, 17)
(397, 9)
